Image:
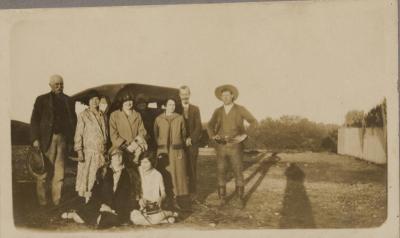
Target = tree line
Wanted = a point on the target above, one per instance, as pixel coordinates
(293, 133)
(376, 117)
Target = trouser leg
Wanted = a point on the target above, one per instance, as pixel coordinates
(221, 170)
(236, 158)
(41, 189)
(41, 182)
(192, 154)
(221, 165)
(58, 177)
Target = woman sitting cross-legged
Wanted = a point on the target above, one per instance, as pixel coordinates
(110, 203)
(152, 196)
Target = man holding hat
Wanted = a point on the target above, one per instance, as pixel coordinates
(53, 123)
(225, 126)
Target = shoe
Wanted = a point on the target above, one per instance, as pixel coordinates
(240, 192)
(68, 215)
(64, 215)
(175, 205)
(171, 220)
(222, 195)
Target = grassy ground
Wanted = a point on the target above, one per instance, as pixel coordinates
(296, 190)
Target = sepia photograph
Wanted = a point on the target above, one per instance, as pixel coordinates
(267, 117)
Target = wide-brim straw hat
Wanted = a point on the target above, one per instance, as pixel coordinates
(229, 87)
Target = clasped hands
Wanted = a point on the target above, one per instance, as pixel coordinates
(139, 143)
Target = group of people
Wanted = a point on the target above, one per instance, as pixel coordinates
(132, 167)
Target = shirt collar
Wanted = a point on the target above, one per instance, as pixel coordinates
(116, 170)
(185, 105)
(228, 107)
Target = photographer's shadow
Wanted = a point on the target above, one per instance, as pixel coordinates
(296, 211)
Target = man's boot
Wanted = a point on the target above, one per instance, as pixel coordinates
(175, 205)
(240, 192)
(222, 195)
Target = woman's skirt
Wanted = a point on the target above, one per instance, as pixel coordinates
(176, 168)
(86, 174)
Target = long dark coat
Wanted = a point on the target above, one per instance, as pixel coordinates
(42, 120)
(194, 127)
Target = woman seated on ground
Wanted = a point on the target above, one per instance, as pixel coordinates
(109, 204)
(152, 196)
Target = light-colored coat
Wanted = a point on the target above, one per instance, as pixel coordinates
(170, 130)
(90, 137)
(91, 133)
(170, 133)
(124, 129)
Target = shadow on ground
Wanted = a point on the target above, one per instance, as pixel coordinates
(296, 211)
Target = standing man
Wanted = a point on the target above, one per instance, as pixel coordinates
(191, 114)
(53, 124)
(225, 127)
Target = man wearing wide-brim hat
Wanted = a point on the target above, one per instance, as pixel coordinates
(225, 127)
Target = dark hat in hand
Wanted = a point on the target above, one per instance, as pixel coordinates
(36, 162)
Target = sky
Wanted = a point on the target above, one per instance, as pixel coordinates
(313, 59)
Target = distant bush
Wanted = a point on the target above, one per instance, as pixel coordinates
(354, 118)
(293, 133)
(329, 143)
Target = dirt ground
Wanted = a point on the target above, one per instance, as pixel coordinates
(288, 190)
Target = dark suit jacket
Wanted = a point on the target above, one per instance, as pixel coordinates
(194, 124)
(42, 120)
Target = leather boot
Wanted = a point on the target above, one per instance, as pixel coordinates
(222, 195)
(176, 205)
(240, 192)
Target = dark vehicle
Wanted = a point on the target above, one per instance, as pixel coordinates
(155, 95)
